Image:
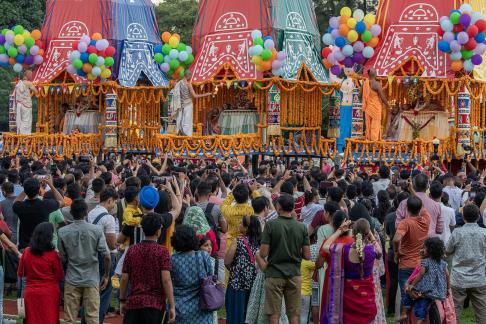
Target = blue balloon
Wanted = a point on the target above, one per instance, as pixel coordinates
(454, 10)
(444, 46)
(340, 42)
(81, 73)
(93, 42)
(4, 64)
(360, 27)
(329, 29)
(84, 57)
(480, 37)
(158, 49)
(327, 39)
(456, 56)
(266, 37)
(20, 58)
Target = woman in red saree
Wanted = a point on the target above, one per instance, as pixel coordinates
(351, 291)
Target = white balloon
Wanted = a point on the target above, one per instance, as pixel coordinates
(358, 14)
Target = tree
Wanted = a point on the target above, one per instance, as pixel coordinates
(28, 13)
(177, 16)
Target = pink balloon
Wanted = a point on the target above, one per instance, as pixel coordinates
(85, 39)
(22, 49)
(448, 36)
(38, 59)
(71, 69)
(281, 55)
(34, 50)
(82, 47)
(358, 46)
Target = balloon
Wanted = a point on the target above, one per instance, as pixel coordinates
(476, 16)
(462, 38)
(256, 60)
(446, 25)
(465, 8)
(92, 58)
(257, 49)
(348, 62)
(164, 67)
(465, 19)
(100, 61)
(375, 30)
(106, 73)
(481, 24)
(20, 58)
(468, 66)
(173, 42)
(181, 47)
(360, 27)
(343, 29)
(85, 39)
(91, 77)
(82, 47)
(339, 56)
(335, 33)
(256, 34)
(444, 46)
(472, 30)
(29, 41)
(358, 46)
(159, 58)
(480, 49)
(480, 37)
(110, 51)
(2, 39)
(104, 44)
(370, 19)
(189, 49)
(448, 37)
(336, 70)
(278, 72)
(41, 52)
(71, 69)
(455, 46)
(373, 42)
(3, 58)
(166, 36)
(476, 59)
(81, 73)
(352, 36)
(96, 36)
(345, 11)
(36, 34)
(12, 52)
(266, 65)
(2, 50)
(190, 59)
(368, 52)
(331, 59)
(77, 63)
(22, 49)
(269, 44)
(456, 56)
(266, 55)
(84, 57)
(348, 50)
(471, 44)
(18, 40)
(334, 22)
(11, 61)
(358, 58)
(96, 71)
(18, 30)
(183, 56)
(458, 28)
(258, 41)
(455, 17)
(366, 36)
(173, 54)
(158, 49)
(174, 64)
(9, 37)
(109, 61)
(327, 39)
(17, 67)
(358, 14)
(166, 49)
(281, 55)
(276, 65)
(466, 55)
(87, 67)
(351, 22)
(340, 41)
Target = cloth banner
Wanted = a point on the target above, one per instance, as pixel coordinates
(432, 123)
(239, 122)
(273, 114)
(357, 126)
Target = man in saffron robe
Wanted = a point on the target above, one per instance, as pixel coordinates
(373, 101)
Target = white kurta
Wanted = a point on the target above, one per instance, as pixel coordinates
(23, 102)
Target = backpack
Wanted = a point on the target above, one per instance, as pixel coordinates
(210, 219)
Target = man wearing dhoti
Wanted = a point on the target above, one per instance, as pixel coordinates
(373, 101)
(23, 103)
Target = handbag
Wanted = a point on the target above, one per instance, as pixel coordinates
(10, 266)
(211, 292)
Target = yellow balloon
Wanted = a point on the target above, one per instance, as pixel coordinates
(105, 74)
(370, 19)
(346, 11)
(26, 34)
(173, 42)
(351, 22)
(353, 36)
(18, 40)
(91, 76)
(257, 60)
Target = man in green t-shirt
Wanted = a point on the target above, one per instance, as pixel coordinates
(285, 242)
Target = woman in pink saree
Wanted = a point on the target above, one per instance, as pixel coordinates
(351, 291)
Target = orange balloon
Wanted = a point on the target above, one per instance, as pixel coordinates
(368, 25)
(274, 53)
(12, 61)
(178, 70)
(326, 63)
(41, 52)
(266, 65)
(36, 34)
(177, 36)
(87, 68)
(344, 30)
(456, 66)
(96, 36)
(343, 20)
(373, 42)
(166, 36)
(259, 68)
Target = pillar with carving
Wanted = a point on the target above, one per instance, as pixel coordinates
(463, 118)
(12, 114)
(357, 123)
(111, 121)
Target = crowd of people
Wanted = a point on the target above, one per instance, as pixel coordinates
(283, 242)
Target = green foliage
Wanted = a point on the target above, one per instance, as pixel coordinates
(177, 16)
(29, 14)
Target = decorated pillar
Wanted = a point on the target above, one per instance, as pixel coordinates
(273, 111)
(111, 121)
(463, 118)
(334, 115)
(12, 114)
(357, 122)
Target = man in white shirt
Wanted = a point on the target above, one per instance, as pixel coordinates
(448, 215)
(383, 182)
(101, 216)
(455, 193)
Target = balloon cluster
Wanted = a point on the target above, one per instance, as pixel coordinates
(351, 39)
(20, 48)
(174, 56)
(463, 37)
(92, 57)
(264, 55)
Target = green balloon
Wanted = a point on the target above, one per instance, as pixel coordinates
(158, 58)
(455, 17)
(109, 61)
(166, 49)
(181, 47)
(258, 41)
(366, 36)
(2, 49)
(266, 54)
(467, 54)
(93, 58)
(77, 63)
(190, 59)
(18, 30)
(29, 42)
(174, 64)
(12, 51)
(4, 31)
(170, 72)
(181, 74)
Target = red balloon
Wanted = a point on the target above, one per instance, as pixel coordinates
(440, 32)
(458, 28)
(91, 49)
(39, 43)
(472, 30)
(325, 52)
(75, 45)
(101, 53)
(481, 24)
(110, 51)
(471, 44)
